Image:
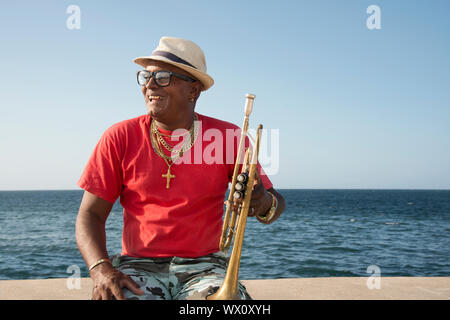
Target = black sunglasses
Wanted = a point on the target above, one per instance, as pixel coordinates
(162, 78)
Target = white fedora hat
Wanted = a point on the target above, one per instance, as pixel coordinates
(183, 54)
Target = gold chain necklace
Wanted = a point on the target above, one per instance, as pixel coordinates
(178, 153)
(169, 160)
(174, 135)
(185, 147)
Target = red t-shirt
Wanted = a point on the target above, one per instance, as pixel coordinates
(184, 220)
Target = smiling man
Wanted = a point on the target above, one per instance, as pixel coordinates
(172, 208)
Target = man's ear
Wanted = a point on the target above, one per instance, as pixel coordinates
(196, 89)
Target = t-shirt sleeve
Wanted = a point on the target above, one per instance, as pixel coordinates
(264, 178)
(102, 175)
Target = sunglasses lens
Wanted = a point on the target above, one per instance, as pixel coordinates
(143, 77)
(162, 78)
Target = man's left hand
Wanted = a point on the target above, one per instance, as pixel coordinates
(261, 200)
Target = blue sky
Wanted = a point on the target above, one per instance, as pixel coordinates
(354, 108)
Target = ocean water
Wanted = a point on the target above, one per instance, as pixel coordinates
(322, 233)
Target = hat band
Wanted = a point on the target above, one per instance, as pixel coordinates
(172, 57)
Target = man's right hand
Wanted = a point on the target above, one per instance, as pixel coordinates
(108, 283)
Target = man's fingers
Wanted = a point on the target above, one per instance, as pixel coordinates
(106, 295)
(95, 295)
(258, 187)
(99, 294)
(118, 293)
(132, 286)
(257, 179)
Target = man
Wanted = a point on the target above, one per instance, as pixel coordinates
(172, 198)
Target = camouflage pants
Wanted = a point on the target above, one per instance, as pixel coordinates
(175, 278)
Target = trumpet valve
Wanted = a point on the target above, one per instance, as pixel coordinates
(238, 195)
(242, 177)
(239, 186)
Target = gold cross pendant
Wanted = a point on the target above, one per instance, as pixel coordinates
(168, 176)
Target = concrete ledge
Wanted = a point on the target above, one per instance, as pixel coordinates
(398, 288)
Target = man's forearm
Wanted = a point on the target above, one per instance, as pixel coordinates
(91, 237)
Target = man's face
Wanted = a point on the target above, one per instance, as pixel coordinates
(168, 103)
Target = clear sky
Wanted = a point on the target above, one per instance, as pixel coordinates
(352, 107)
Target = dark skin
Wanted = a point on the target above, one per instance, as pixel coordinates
(91, 240)
(174, 110)
(171, 108)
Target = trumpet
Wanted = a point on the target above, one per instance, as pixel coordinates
(235, 219)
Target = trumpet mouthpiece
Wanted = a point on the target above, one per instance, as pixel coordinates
(249, 103)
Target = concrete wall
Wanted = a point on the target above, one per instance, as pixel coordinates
(399, 288)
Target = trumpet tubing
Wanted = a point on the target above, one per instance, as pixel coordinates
(241, 185)
(225, 240)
